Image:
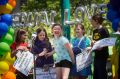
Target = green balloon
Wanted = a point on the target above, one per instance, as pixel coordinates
(7, 39)
(4, 48)
(11, 31)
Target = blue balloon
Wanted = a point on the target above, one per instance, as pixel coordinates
(3, 28)
(0, 36)
(115, 4)
(112, 14)
(116, 24)
(109, 6)
(7, 18)
(3, 2)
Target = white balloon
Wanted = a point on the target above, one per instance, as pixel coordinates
(102, 8)
(16, 19)
(52, 16)
(66, 15)
(23, 18)
(87, 13)
(36, 18)
(29, 17)
(94, 9)
(44, 17)
(66, 20)
(70, 22)
(81, 9)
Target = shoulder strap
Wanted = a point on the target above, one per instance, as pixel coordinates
(80, 40)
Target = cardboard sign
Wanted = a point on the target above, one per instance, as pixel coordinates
(83, 60)
(41, 74)
(104, 42)
(24, 62)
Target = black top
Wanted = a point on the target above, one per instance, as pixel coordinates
(99, 34)
(37, 49)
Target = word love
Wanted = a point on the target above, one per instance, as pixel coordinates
(36, 18)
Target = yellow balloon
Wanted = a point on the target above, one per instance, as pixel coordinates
(9, 59)
(6, 9)
(4, 67)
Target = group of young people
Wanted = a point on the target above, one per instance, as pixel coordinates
(65, 63)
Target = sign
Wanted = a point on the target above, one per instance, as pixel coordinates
(41, 74)
(117, 33)
(83, 60)
(24, 62)
(104, 42)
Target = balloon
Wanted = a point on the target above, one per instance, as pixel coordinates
(6, 9)
(7, 18)
(11, 31)
(109, 6)
(4, 67)
(4, 48)
(66, 15)
(9, 75)
(3, 2)
(115, 4)
(9, 59)
(12, 3)
(115, 24)
(7, 39)
(112, 14)
(82, 10)
(12, 69)
(3, 28)
(52, 15)
(94, 9)
(44, 17)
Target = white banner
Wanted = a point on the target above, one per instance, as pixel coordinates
(24, 62)
(83, 60)
(41, 74)
(104, 42)
(117, 33)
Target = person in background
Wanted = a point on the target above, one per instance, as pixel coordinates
(19, 44)
(42, 49)
(101, 54)
(80, 42)
(63, 49)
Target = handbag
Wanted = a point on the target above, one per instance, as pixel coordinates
(77, 49)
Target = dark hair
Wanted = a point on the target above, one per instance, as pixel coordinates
(98, 18)
(19, 33)
(81, 26)
(56, 25)
(46, 37)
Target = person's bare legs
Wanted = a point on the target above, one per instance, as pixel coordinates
(65, 73)
(59, 72)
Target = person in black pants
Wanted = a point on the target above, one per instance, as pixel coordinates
(101, 54)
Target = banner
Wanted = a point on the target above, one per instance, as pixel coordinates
(83, 60)
(42, 74)
(104, 42)
(117, 33)
(24, 62)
